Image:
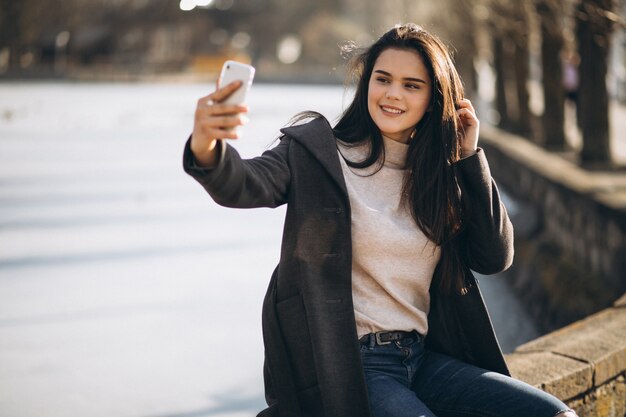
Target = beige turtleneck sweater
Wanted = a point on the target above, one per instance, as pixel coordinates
(392, 260)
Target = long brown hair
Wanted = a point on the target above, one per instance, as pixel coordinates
(430, 182)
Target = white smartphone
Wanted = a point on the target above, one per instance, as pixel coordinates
(232, 71)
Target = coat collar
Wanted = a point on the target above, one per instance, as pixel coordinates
(318, 138)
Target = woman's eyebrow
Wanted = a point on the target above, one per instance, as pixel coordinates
(417, 80)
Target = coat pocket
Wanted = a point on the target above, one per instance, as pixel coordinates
(293, 324)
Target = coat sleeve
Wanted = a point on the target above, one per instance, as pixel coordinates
(244, 183)
(488, 241)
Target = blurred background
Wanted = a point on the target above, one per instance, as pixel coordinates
(522, 57)
(125, 291)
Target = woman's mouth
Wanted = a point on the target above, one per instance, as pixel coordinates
(391, 110)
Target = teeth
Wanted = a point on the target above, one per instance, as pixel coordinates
(390, 110)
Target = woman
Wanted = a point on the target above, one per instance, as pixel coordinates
(373, 310)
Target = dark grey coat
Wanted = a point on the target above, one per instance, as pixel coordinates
(312, 361)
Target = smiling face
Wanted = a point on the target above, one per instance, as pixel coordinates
(399, 93)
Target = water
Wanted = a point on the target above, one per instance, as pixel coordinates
(124, 290)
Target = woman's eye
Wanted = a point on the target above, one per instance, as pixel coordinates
(382, 80)
(413, 86)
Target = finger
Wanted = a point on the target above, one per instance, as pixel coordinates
(467, 114)
(219, 95)
(218, 133)
(222, 94)
(204, 100)
(465, 104)
(223, 109)
(207, 103)
(207, 110)
(227, 120)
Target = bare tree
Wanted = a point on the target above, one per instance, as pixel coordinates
(500, 60)
(521, 60)
(550, 12)
(11, 30)
(502, 57)
(509, 24)
(595, 21)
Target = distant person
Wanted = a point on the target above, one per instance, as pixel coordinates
(571, 81)
(570, 78)
(373, 310)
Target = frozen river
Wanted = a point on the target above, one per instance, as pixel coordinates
(124, 290)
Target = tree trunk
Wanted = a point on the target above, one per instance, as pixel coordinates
(522, 71)
(517, 31)
(594, 34)
(553, 92)
(521, 60)
(10, 31)
(499, 58)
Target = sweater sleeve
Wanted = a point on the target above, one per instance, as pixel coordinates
(244, 183)
(488, 238)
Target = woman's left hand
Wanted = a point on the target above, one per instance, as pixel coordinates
(470, 125)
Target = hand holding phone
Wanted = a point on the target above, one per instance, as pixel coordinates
(221, 112)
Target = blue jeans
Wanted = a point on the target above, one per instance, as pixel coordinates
(405, 380)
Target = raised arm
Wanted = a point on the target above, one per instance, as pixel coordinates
(488, 239)
(234, 182)
(230, 180)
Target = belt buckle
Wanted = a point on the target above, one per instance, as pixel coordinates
(379, 341)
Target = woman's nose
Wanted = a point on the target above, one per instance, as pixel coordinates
(393, 92)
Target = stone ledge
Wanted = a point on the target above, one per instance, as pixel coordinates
(607, 188)
(560, 376)
(576, 358)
